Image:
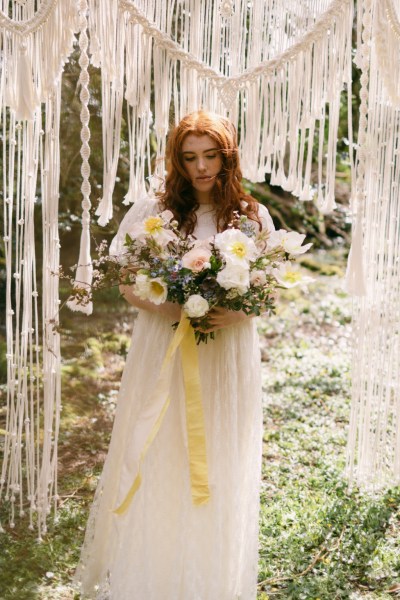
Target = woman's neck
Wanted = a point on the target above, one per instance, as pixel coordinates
(203, 197)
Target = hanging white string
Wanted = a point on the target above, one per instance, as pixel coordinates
(373, 452)
(355, 276)
(111, 55)
(36, 40)
(280, 80)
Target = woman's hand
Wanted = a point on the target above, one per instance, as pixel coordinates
(219, 318)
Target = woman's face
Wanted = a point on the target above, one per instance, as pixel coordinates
(202, 161)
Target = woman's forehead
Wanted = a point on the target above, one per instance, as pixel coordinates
(198, 143)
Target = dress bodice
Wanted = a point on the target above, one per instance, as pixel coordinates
(206, 225)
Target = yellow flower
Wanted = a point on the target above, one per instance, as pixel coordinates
(153, 225)
(239, 249)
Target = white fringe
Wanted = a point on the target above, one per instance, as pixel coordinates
(34, 46)
(373, 452)
(279, 81)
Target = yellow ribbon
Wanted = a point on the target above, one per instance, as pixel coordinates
(4, 432)
(151, 421)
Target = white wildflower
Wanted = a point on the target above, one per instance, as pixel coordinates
(289, 275)
(236, 247)
(291, 241)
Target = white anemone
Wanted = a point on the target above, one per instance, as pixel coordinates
(236, 247)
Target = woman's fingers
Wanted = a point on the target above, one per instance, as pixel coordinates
(218, 318)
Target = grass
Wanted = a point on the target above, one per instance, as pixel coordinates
(318, 540)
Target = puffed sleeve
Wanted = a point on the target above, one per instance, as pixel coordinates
(142, 208)
(265, 218)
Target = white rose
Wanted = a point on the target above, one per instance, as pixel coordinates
(196, 306)
(258, 277)
(141, 287)
(234, 277)
(197, 259)
(236, 247)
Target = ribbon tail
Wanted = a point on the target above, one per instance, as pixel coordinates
(155, 416)
(195, 420)
(123, 507)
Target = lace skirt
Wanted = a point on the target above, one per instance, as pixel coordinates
(164, 546)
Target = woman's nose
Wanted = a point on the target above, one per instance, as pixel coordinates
(201, 165)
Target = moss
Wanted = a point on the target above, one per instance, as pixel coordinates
(322, 269)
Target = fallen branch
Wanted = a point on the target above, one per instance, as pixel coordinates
(321, 554)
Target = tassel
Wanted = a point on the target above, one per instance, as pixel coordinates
(105, 209)
(355, 273)
(27, 99)
(84, 275)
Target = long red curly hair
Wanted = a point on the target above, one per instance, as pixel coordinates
(227, 194)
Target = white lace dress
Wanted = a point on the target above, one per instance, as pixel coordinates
(164, 547)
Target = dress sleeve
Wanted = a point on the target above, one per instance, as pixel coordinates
(265, 218)
(142, 208)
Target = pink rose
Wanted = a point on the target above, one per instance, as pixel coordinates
(197, 259)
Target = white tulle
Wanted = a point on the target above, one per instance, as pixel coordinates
(164, 547)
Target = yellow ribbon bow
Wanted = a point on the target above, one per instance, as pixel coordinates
(153, 415)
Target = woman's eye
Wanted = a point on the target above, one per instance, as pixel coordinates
(211, 156)
(188, 158)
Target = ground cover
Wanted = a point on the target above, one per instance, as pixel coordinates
(317, 539)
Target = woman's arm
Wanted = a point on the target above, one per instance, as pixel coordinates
(168, 309)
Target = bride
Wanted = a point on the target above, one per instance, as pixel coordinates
(163, 547)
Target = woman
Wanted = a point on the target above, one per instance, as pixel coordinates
(164, 547)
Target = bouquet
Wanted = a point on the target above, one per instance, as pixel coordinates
(238, 269)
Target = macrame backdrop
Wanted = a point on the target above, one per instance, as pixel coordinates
(35, 40)
(373, 453)
(277, 69)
